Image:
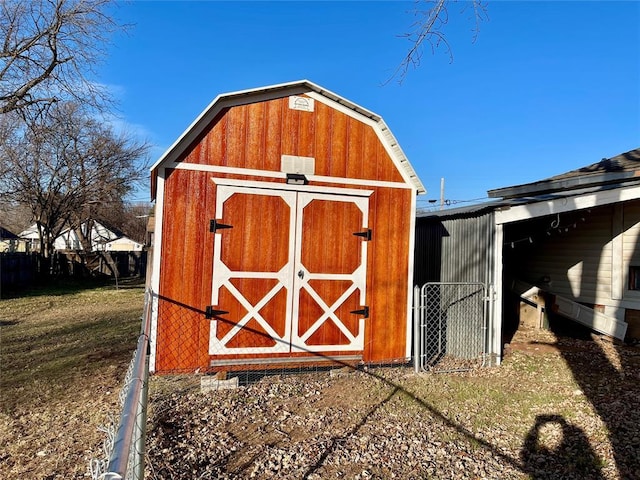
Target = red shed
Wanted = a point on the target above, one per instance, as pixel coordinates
(284, 234)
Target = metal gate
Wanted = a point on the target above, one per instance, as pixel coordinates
(450, 326)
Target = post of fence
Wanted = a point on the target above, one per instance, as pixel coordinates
(416, 328)
(126, 460)
(142, 421)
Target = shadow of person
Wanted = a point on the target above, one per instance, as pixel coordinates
(555, 449)
(592, 254)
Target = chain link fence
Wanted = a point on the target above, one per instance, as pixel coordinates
(450, 326)
(247, 349)
(124, 445)
(450, 335)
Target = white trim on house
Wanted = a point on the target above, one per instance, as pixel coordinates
(155, 271)
(412, 242)
(282, 175)
(496, 320)
(566, 204)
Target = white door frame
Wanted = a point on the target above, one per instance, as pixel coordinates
(287, 278)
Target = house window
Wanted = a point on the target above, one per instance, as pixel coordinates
(634, 278)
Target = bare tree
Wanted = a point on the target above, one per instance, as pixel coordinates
(13, 216)
(49, 49)
(66, 166)
(429, 28)
(129, 218)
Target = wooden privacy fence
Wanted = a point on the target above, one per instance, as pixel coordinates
(20, 270)
(112, 264)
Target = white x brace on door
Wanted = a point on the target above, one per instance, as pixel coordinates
(289, 272)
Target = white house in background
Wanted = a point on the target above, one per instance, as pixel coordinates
(31, 236)
(123, 244)
(101, 239)
(10, 242)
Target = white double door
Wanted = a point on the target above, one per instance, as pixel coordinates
(289, 272)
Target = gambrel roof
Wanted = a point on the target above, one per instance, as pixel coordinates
(243, 97)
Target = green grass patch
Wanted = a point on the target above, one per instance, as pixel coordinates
(54, 338)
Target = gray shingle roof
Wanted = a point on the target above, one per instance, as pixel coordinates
(7, 235)
(621, 169)
(625, 162)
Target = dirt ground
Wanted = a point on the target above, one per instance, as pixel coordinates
(558, 407)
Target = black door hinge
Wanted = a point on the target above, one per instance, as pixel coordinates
(209, 312)
(366, 234)
(215, 225)
(364, 312)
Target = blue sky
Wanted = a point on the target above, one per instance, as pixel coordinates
(546, 87)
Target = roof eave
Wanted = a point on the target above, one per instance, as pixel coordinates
(572, 183)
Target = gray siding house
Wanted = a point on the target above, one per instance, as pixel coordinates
(568, 244)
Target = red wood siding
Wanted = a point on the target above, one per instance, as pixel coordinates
(183, 332)
(388, 274)
(254, 136)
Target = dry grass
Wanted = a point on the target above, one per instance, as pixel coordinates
(63, 355)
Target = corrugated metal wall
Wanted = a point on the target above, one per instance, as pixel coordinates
(454, 249)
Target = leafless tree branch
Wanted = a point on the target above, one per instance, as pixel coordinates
(49, 51)
(429, 29)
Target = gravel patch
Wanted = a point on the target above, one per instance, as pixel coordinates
(567, 412)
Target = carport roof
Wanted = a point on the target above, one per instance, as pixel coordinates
(549, 203)
(621, 169)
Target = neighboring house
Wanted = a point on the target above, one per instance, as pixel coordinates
(569, 243)
(10, 242)
(123, 244)
(101, 237)
(31, 237)
(284, 235)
